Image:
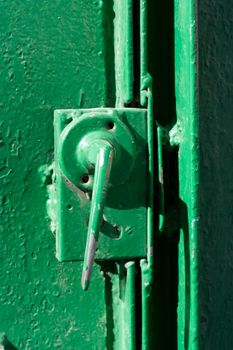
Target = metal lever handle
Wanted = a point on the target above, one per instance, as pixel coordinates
(103, 167)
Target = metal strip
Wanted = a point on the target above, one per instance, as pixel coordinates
(187, 117)
(123, 41)
(128, 310)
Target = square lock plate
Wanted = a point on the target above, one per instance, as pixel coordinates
(123, 232)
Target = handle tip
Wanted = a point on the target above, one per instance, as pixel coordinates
(85, 284)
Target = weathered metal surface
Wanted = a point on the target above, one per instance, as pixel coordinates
(52, 57)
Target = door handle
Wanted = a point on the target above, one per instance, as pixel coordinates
(103, 167)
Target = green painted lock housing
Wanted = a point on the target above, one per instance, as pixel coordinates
(123, 232)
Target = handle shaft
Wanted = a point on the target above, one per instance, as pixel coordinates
(103, 168)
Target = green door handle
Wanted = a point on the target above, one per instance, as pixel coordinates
(103, 166)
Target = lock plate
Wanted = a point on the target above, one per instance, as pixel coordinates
(123, 233)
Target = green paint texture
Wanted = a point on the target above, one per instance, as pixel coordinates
(215, 41)
(52, 56)
(188, 170)
(60, 55)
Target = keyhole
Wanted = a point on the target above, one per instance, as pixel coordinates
(110, 125)
(85, 179)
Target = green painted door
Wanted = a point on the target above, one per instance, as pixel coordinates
(52, 56)
(137, 58)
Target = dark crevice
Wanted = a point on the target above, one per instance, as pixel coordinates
(161, 59)
(109, 313)
(138, 304)
(161, 66)
(136, 54)
(108, 268)
(108, 24)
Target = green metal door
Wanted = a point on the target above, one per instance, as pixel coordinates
(122, 72)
